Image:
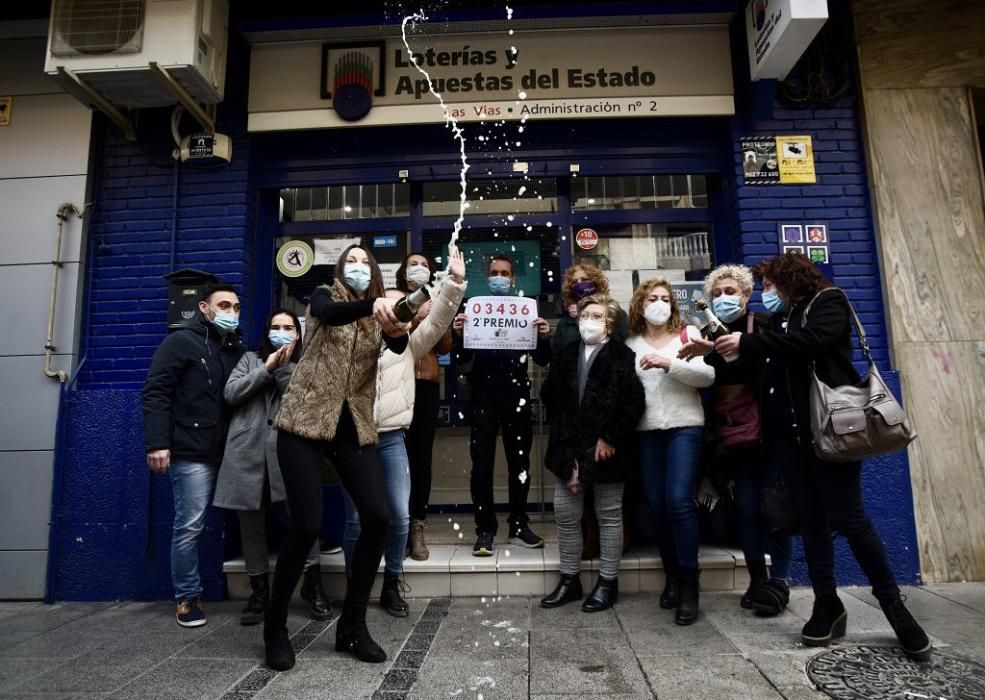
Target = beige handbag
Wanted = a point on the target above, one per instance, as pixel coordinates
(852, 422)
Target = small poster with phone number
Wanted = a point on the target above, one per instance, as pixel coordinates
(500, 323)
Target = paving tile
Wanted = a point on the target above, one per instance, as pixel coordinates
(971, 595)
(314, 678)
(651, 630)
(571, 617)
(463, 677)
(388, 631)
(178, 679)
(601, 661)
(33, 621)
(718, 676)
(17, 671)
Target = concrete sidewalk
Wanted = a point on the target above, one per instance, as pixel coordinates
(472, 648)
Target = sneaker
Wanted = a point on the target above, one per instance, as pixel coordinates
(523, 536)
(483, 545)
(190, 613)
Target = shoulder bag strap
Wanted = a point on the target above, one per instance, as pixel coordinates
(859, 329)
(750, 322)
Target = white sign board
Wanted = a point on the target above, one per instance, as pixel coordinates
(778, 32)
(500, 323)
(493, 76)
(328, 250)
(389, 271)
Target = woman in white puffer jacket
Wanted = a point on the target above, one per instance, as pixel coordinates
(394, 410)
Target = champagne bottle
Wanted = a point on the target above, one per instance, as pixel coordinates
(714, 329)
(405, 309)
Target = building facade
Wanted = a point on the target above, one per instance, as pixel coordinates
(646, 148)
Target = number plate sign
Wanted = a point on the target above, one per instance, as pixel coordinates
(500, 323)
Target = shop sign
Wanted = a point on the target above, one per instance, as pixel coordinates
(201, 146)
(384, 241)
(807, 239)
(778, 32)
(493, 76)
(777, 160)
(328, 250)
(500, 323)
(587, 239)
(295, 258)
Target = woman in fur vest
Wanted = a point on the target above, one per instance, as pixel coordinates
(327, 411)
(594, 400)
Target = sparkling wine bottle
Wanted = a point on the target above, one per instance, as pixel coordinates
(714, 329)
(405, 309)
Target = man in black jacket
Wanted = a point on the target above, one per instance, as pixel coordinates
(501, 399)
(185, 420)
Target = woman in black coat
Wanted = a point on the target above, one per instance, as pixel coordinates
(828, 494)
(594, 401)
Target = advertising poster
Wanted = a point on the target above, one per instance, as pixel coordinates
(796, 160)
(500, 323)
(759, 165)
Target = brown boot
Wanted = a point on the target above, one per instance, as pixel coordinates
(418, 548)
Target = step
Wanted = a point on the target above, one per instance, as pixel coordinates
(515, 571)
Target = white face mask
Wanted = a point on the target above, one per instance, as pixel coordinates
(418, 276)
(657, 313)
(592, 332)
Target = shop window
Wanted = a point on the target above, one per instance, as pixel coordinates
(633, 253)
(628, 192)
(342, 202)
(514, 196)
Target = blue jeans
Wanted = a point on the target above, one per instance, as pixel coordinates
(670, 461)
(192, 484)
(752, 473)
(396, 470)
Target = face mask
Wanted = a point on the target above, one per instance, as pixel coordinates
(727, 307)
(225, 321)
(592, 332)
(499, 285)
(773, 302)
(418, 276)
(280, 338)
(580, 290)
(357, 276)
(657, 313)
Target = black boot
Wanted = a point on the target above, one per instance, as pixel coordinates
(828, 621)
(605, 594)
(253, 612)
(277, 645)
(770, 598)
(757, 577)
(352, 636)
(390, 599)
(314, 595)
(672, 588)
(568, 590)
(911, 636)
(687, 606)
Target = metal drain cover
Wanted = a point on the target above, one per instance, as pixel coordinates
(873, 673)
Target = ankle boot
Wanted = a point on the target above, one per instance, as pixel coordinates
(687, 606)
(605, 594)
(770, 598)
(568, 589)
(911, 636)
(758, 575)
(672, 590)
(418, 548)
(277, 647)
(259, 599)
(390, 599)
(828, 621)
(352, 636)
(314, 595)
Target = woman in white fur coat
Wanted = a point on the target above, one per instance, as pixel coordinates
(394, 411)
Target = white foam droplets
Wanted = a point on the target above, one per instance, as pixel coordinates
(517, 144)
(510, 217)
(509, 12)
(549, 224)
(523, 188)
(522, 402)
(523, 475)
(511, 32)
(506, 552)
(522, 95)
(519, 129)
(456, 527)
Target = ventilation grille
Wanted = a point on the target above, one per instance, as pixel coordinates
(97, 27)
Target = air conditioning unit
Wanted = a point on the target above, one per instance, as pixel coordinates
(110, 44)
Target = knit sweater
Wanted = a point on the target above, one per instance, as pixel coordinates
(672, 399)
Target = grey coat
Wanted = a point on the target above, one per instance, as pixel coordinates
(251, 447)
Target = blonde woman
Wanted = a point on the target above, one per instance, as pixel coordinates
(671, 436)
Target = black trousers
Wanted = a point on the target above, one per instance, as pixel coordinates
(362, 476)
(492, 410)
(420, 442)
(829, 499)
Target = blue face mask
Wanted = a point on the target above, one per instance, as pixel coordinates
(773, 302)
(357, 276)
(280, 338)
(727, 307)
(499, 285)
(226, 322)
